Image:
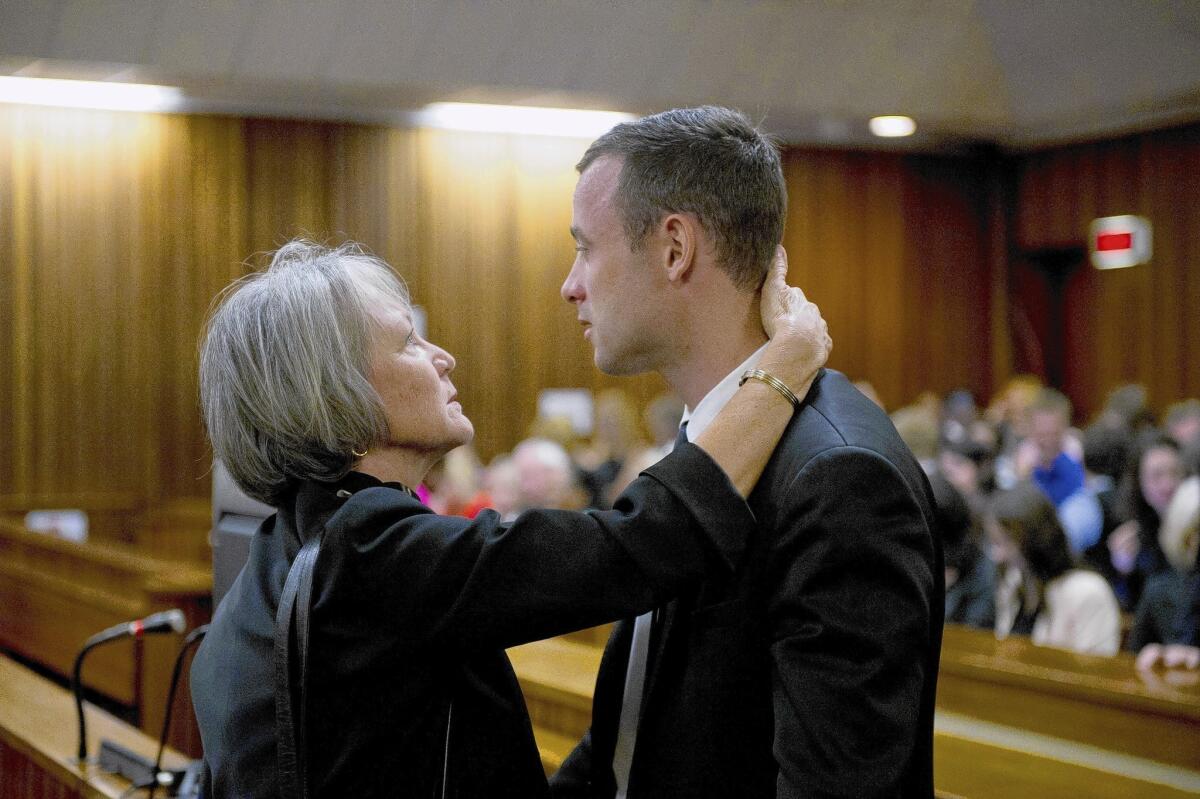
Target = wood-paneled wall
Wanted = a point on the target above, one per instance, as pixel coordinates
(897, 251)
(1124, 325)
(117, 230)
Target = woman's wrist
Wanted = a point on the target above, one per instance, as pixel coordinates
(773, 382)
(791, 363)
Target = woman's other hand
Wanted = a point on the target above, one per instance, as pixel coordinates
(800, 342)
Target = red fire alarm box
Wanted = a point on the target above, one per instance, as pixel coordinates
(1119, 241)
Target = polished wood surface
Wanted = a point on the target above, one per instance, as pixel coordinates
(558, 676)
(39, 737)
(1100, 701)
(178, 529)
(56, 594)
(983, 771)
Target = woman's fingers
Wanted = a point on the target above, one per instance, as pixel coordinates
(785, 309)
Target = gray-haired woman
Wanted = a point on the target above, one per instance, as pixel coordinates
(324, 402)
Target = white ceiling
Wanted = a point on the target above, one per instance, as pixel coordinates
(1019, 73)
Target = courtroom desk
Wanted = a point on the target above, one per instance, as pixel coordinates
(971, 759)
(557, 677)
(38, 739)
(57, 593)
(1100, 701)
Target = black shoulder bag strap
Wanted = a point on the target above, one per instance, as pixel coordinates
(289, 713)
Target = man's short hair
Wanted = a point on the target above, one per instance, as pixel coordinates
(1050, 400)
(707, 161)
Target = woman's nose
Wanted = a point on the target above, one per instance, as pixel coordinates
(443, 360)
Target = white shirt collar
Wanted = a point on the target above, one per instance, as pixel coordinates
(707, 409)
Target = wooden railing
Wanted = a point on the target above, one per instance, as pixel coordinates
(1099, 701)
(177, 529)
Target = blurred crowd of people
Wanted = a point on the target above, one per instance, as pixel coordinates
(555, 467)
(1082, 538)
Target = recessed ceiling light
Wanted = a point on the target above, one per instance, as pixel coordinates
(891, 127)
(520, 119)
(89, 94)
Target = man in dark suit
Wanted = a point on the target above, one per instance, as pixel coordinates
(810, 672)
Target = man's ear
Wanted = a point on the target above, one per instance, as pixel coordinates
(681, 236)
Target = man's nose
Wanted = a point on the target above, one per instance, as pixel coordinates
(572, 289)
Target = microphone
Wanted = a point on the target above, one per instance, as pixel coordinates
(165, 621)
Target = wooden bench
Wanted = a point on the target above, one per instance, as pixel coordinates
(38, 739)
(177, 529)
(111, 514)
(56, 594)
(1099, 701)
(557, 677)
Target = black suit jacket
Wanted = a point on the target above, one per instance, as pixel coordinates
(407, 679)
(811, 671)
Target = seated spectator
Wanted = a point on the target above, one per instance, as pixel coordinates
(1183, 423)
(1127, 407)
(615, 436)
(1134, 553)
(1105, 453)
(1161, 603)
(503, 487)
(970, 575)
(545, 476)
(1039, 588)
(918, 427)
(1009, 416)
(967, 465)
(958, 414)
(454, 484)
(1182, 649)
(1054, 462)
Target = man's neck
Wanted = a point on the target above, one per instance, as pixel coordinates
(715, 343)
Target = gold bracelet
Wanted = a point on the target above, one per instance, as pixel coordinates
(772, 381)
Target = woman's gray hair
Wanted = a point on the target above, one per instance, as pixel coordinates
(284, 366)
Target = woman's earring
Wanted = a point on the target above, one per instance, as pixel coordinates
(357, 453)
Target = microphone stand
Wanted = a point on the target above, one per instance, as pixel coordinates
(166, 621)
(192, 638)
(77, 690)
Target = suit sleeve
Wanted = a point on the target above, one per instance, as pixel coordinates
(482, 584)
(852, 589)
